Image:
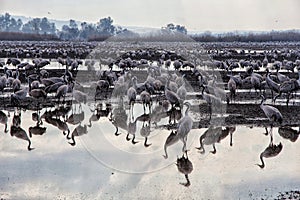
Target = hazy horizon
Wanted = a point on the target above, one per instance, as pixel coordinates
(195, 15)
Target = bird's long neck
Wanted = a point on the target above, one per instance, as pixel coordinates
(187, 110)
(201, 141)
(202, 81)
(203, 88)
(262, 102)
(134, 82)
(17, 74)
(268, 72)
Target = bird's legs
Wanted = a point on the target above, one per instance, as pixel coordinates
(271, 135)
(267, 132)
(288, 99)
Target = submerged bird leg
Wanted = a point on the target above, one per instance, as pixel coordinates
(184, 146)
(80, 107)
(117, 130)
(3, 98)
(184, 150)
(271, 135)
(209, 111)
(166, 153)
(272, 95)
(174, 115)
(288, 99)
(132, 113)
(5, 129)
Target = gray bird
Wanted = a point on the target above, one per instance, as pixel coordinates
(272, 113)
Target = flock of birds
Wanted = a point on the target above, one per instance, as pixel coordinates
(163, 94)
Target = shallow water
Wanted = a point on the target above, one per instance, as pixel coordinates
(102, 165)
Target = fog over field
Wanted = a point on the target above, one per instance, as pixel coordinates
(214, 15)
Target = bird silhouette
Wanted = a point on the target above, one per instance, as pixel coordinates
(271, 151)
(20, 133)
(185, 166)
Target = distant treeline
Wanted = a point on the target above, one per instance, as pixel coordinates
(47, 30)
(284, 36)
(43, 29)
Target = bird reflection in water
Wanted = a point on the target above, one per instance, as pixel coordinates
(145, 130)
(37, 129)
(78, 131)
(174, 115)
(75, 118)
(36, 117)
(171, 139)
(227, 131)
(210, 137)
(3, 120)
(159, 112)
(131, 131)
(185, 166)
(53, 117)
(271, 151)
(289, 133)
(98, 112)
(17, 118)
(214, 135)
(20, 133)
(184, 126)
(119, 118)
(17, 131)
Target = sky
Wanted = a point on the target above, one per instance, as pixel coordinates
(200, 15)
